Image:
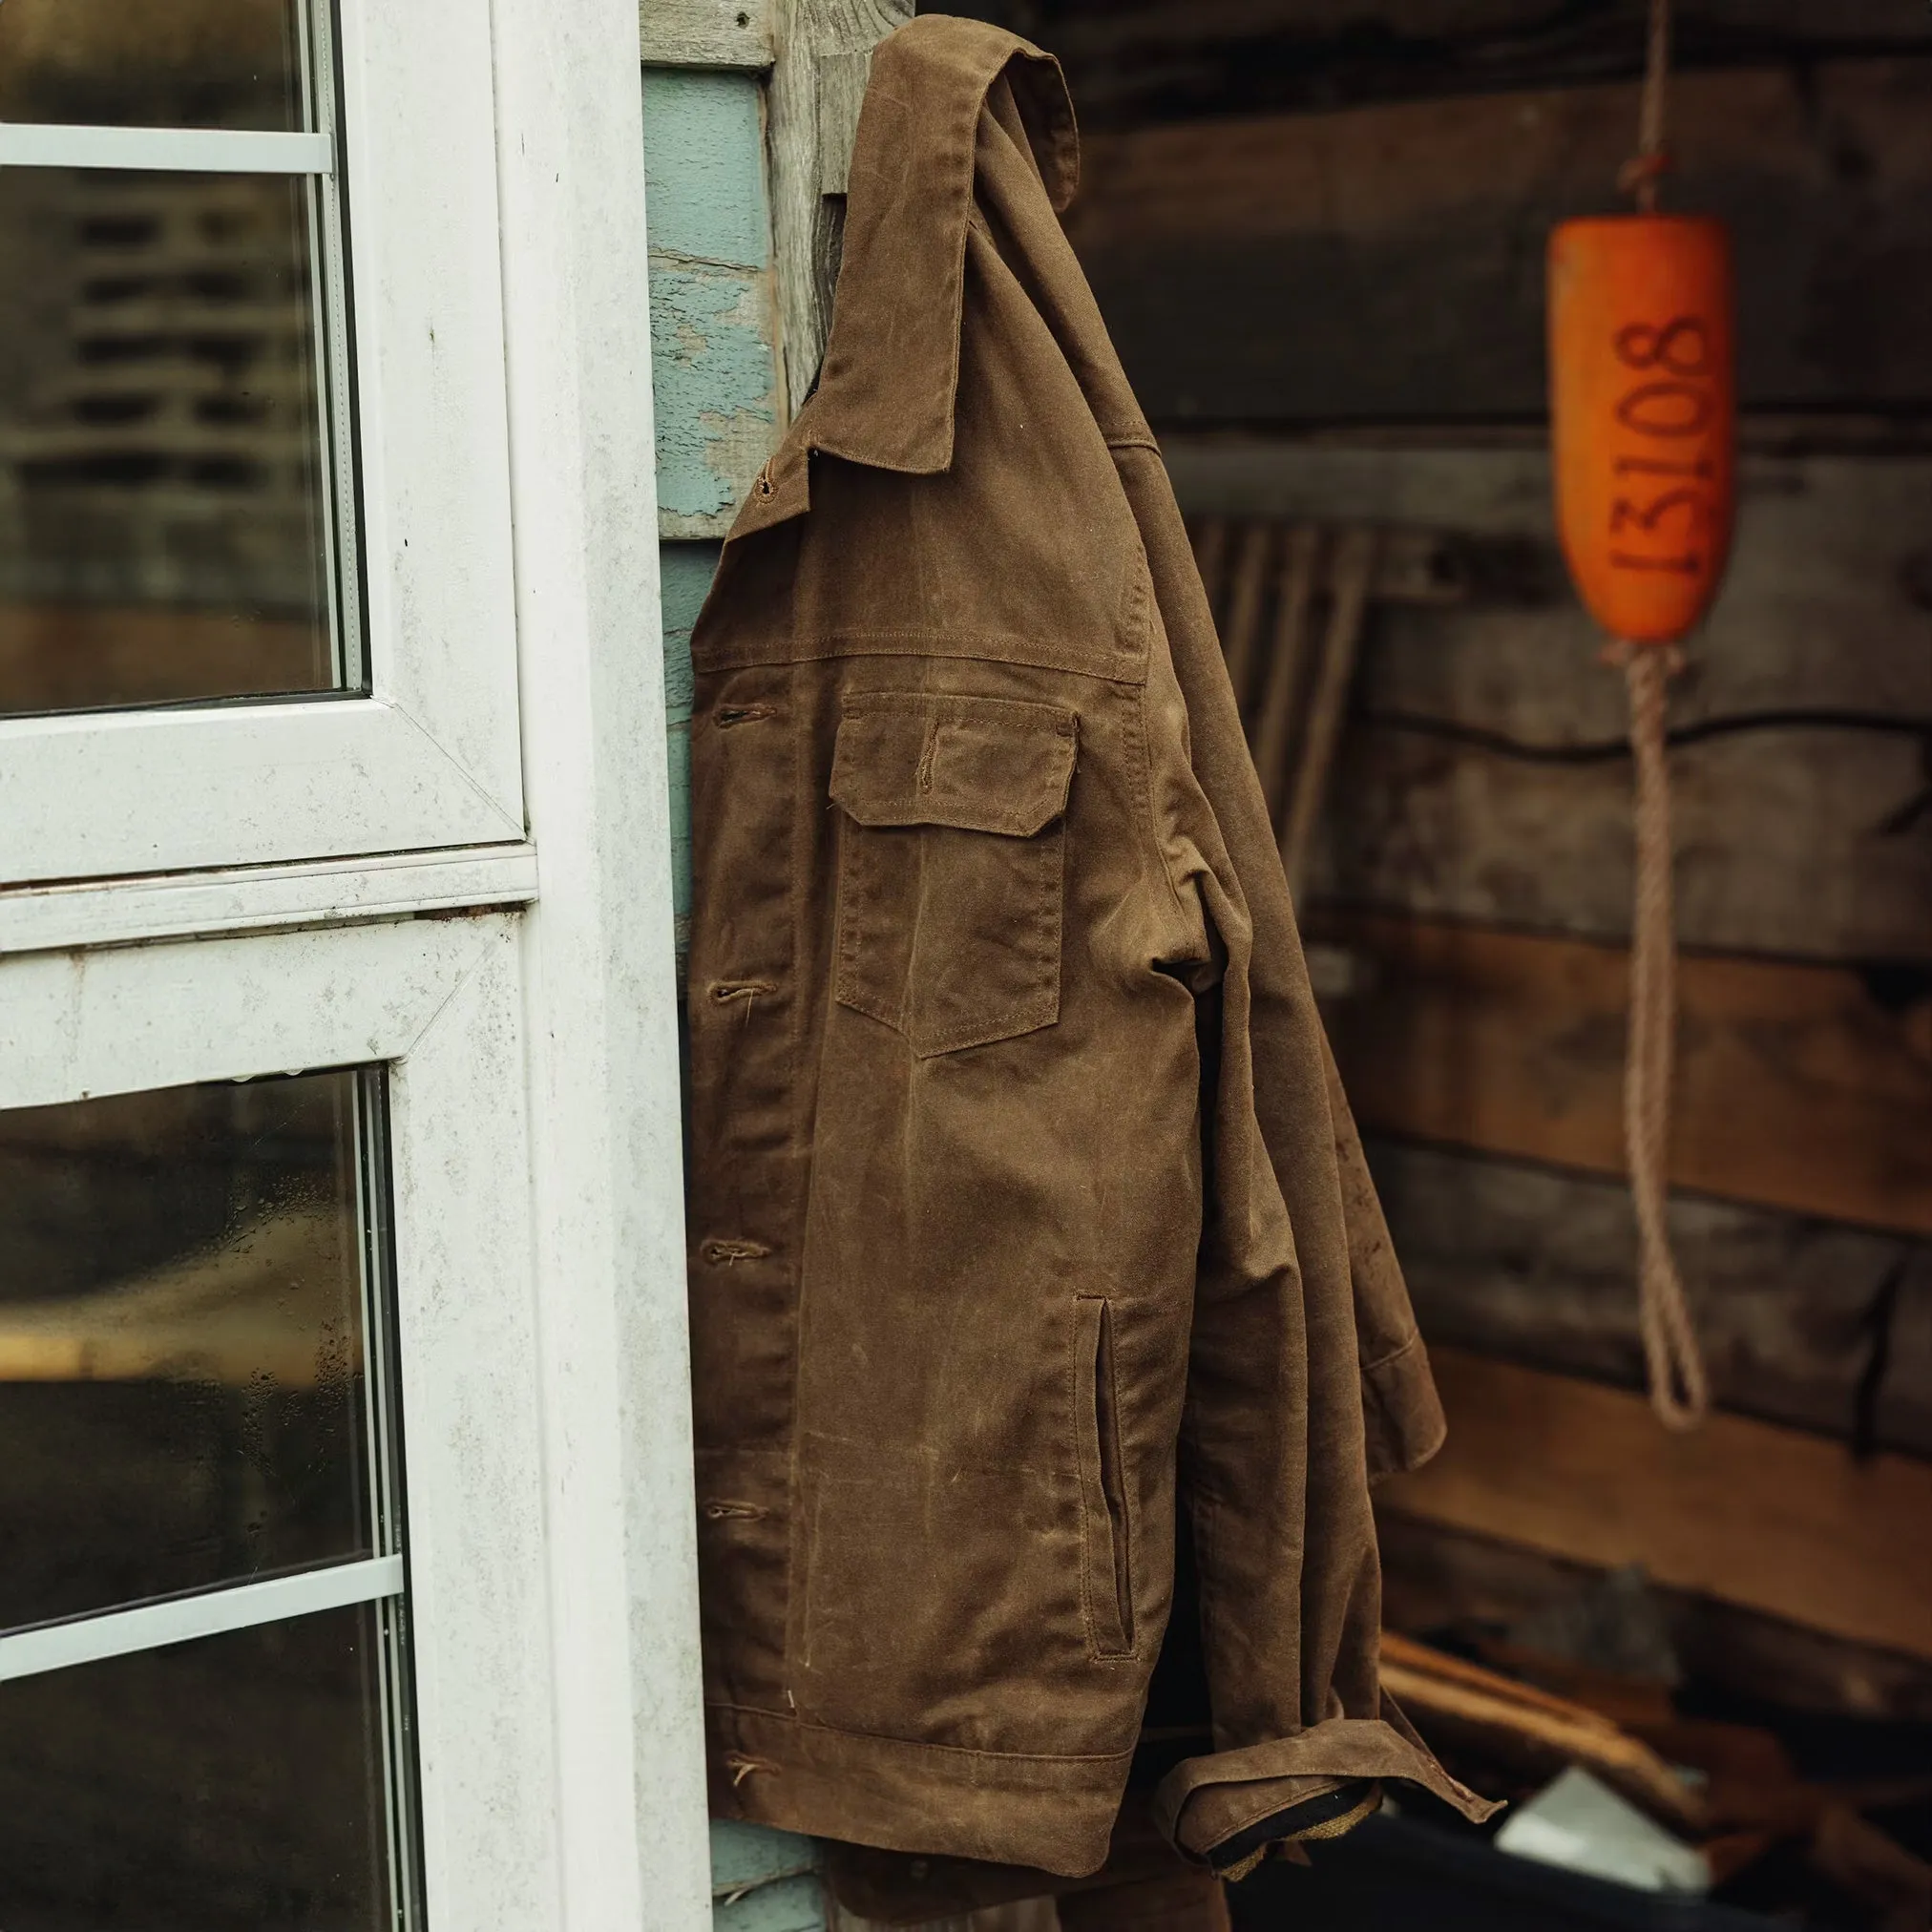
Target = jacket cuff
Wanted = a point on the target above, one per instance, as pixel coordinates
(1403, 1417)
(1205, 1803)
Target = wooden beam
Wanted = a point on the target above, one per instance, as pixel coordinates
(1794, 839)
(823, 48)
(1485, 775)
(1740, 1510)
(1134, 61)
(705, 33)
(1384, 262)
(1827, 602)
(1796, 1088)
(1510, 1259)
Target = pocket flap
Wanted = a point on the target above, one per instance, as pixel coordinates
(980, 763)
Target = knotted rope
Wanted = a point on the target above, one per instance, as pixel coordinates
(1680, 1391)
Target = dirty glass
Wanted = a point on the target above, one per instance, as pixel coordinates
(184, 1395)
(234, 1784)
(152, 63)
(165, 520)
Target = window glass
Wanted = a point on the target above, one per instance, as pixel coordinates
(234, 1784)
(166, 532)
(152, 63)
(184, 1395)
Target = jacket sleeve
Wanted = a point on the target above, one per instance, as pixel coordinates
(1305, 1370)
(1401, 1414)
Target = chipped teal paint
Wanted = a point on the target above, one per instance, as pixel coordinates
(743, 1856)
(704, 164)
(685, 574)
(792, 1905)
(717, 402)
(713, 327)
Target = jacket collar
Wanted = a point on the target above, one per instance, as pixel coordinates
(886, 392)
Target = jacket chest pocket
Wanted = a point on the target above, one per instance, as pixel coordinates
(952, 864)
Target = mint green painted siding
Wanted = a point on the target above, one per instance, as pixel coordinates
(704, 160)
(792, 1905)
(712, 314)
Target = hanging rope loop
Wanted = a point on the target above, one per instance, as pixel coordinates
(1680, 1389)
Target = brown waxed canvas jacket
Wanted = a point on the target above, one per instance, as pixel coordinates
(1027, 1219)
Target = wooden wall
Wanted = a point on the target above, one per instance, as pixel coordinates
(1316, 232)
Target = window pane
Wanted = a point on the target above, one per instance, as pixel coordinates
(151, 63)
(183, 1397)
(230, 1785)
(165, 531)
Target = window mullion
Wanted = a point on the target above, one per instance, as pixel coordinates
(218, 151)
(207, 1614)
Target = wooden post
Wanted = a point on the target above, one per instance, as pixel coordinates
(822, 50)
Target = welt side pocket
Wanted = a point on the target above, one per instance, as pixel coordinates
(1106, 1527)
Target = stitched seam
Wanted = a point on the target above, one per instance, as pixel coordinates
(856, 704)
(1395, 1354)
(794, 650)
(1123, 1551)
(791, 1718)
(1011, 823)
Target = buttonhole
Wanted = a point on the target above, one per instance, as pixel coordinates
(723, 1253)
(727, 715)
(924, 780)
(720, 1511)
(724, 991)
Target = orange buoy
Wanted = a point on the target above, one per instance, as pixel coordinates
(1642, 401)
(1642, 398)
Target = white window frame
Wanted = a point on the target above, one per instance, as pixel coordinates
(429, 757)
(495, 161)
(439, 1004)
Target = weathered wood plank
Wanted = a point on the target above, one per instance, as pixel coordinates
(1795, 841)
(1513, 1259)
(1796, 1087)
(1436, 1578)
(1739, 1510)
(705, 33)
(822, 47)
(1385, 262)
(1795, 835)
(1827, 602)
(1135, 61)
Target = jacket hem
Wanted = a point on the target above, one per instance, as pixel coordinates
(1055, 1814)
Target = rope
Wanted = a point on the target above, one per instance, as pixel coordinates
(1644, 169)
(1680, 1391)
